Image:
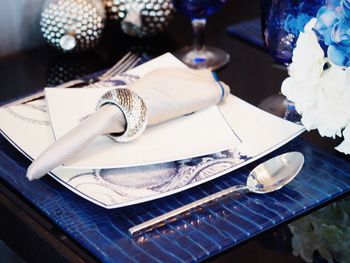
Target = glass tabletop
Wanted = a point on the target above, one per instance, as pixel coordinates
(252, 75)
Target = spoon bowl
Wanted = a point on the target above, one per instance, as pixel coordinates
(275, 173)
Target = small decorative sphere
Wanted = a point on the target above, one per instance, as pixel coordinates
(141, 17)
(115, 9)
(73, 25)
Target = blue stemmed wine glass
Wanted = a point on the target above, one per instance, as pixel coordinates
(199, 55)
(281, 23)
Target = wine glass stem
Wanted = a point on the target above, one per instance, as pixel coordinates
(198, 25)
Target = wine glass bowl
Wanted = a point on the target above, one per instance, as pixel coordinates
(199, 55)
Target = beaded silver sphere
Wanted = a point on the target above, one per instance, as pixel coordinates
(73, 25)
(141, 17)
(115, 9)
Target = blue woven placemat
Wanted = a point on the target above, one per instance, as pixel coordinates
(249, 31)
(204, 234)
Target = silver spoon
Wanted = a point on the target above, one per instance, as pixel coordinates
(265, 178)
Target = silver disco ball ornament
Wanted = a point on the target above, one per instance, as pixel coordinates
(73, 25)
(141, 17)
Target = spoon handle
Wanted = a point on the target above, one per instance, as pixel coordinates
(178, 213)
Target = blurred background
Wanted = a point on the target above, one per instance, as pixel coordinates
(19, 28)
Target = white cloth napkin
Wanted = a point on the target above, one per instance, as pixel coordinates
(168, 93)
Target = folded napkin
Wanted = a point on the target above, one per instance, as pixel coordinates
(168, 93)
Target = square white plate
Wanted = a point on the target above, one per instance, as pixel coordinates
(259, 132)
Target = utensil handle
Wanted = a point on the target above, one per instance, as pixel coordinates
(173, 215)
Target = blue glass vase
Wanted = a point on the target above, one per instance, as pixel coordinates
(282, 21)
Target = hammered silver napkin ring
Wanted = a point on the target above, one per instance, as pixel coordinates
(134, 110)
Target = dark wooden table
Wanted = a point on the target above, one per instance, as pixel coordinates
(251, 73)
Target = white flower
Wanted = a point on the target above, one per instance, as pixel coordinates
(308, 57)
(302, 94)
(345, 145)
(305, 70)
(331, 107)
(328, 110)
(321, 96)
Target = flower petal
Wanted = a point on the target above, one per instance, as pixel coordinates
(308, 58)
(344, 147)
(337, 54)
